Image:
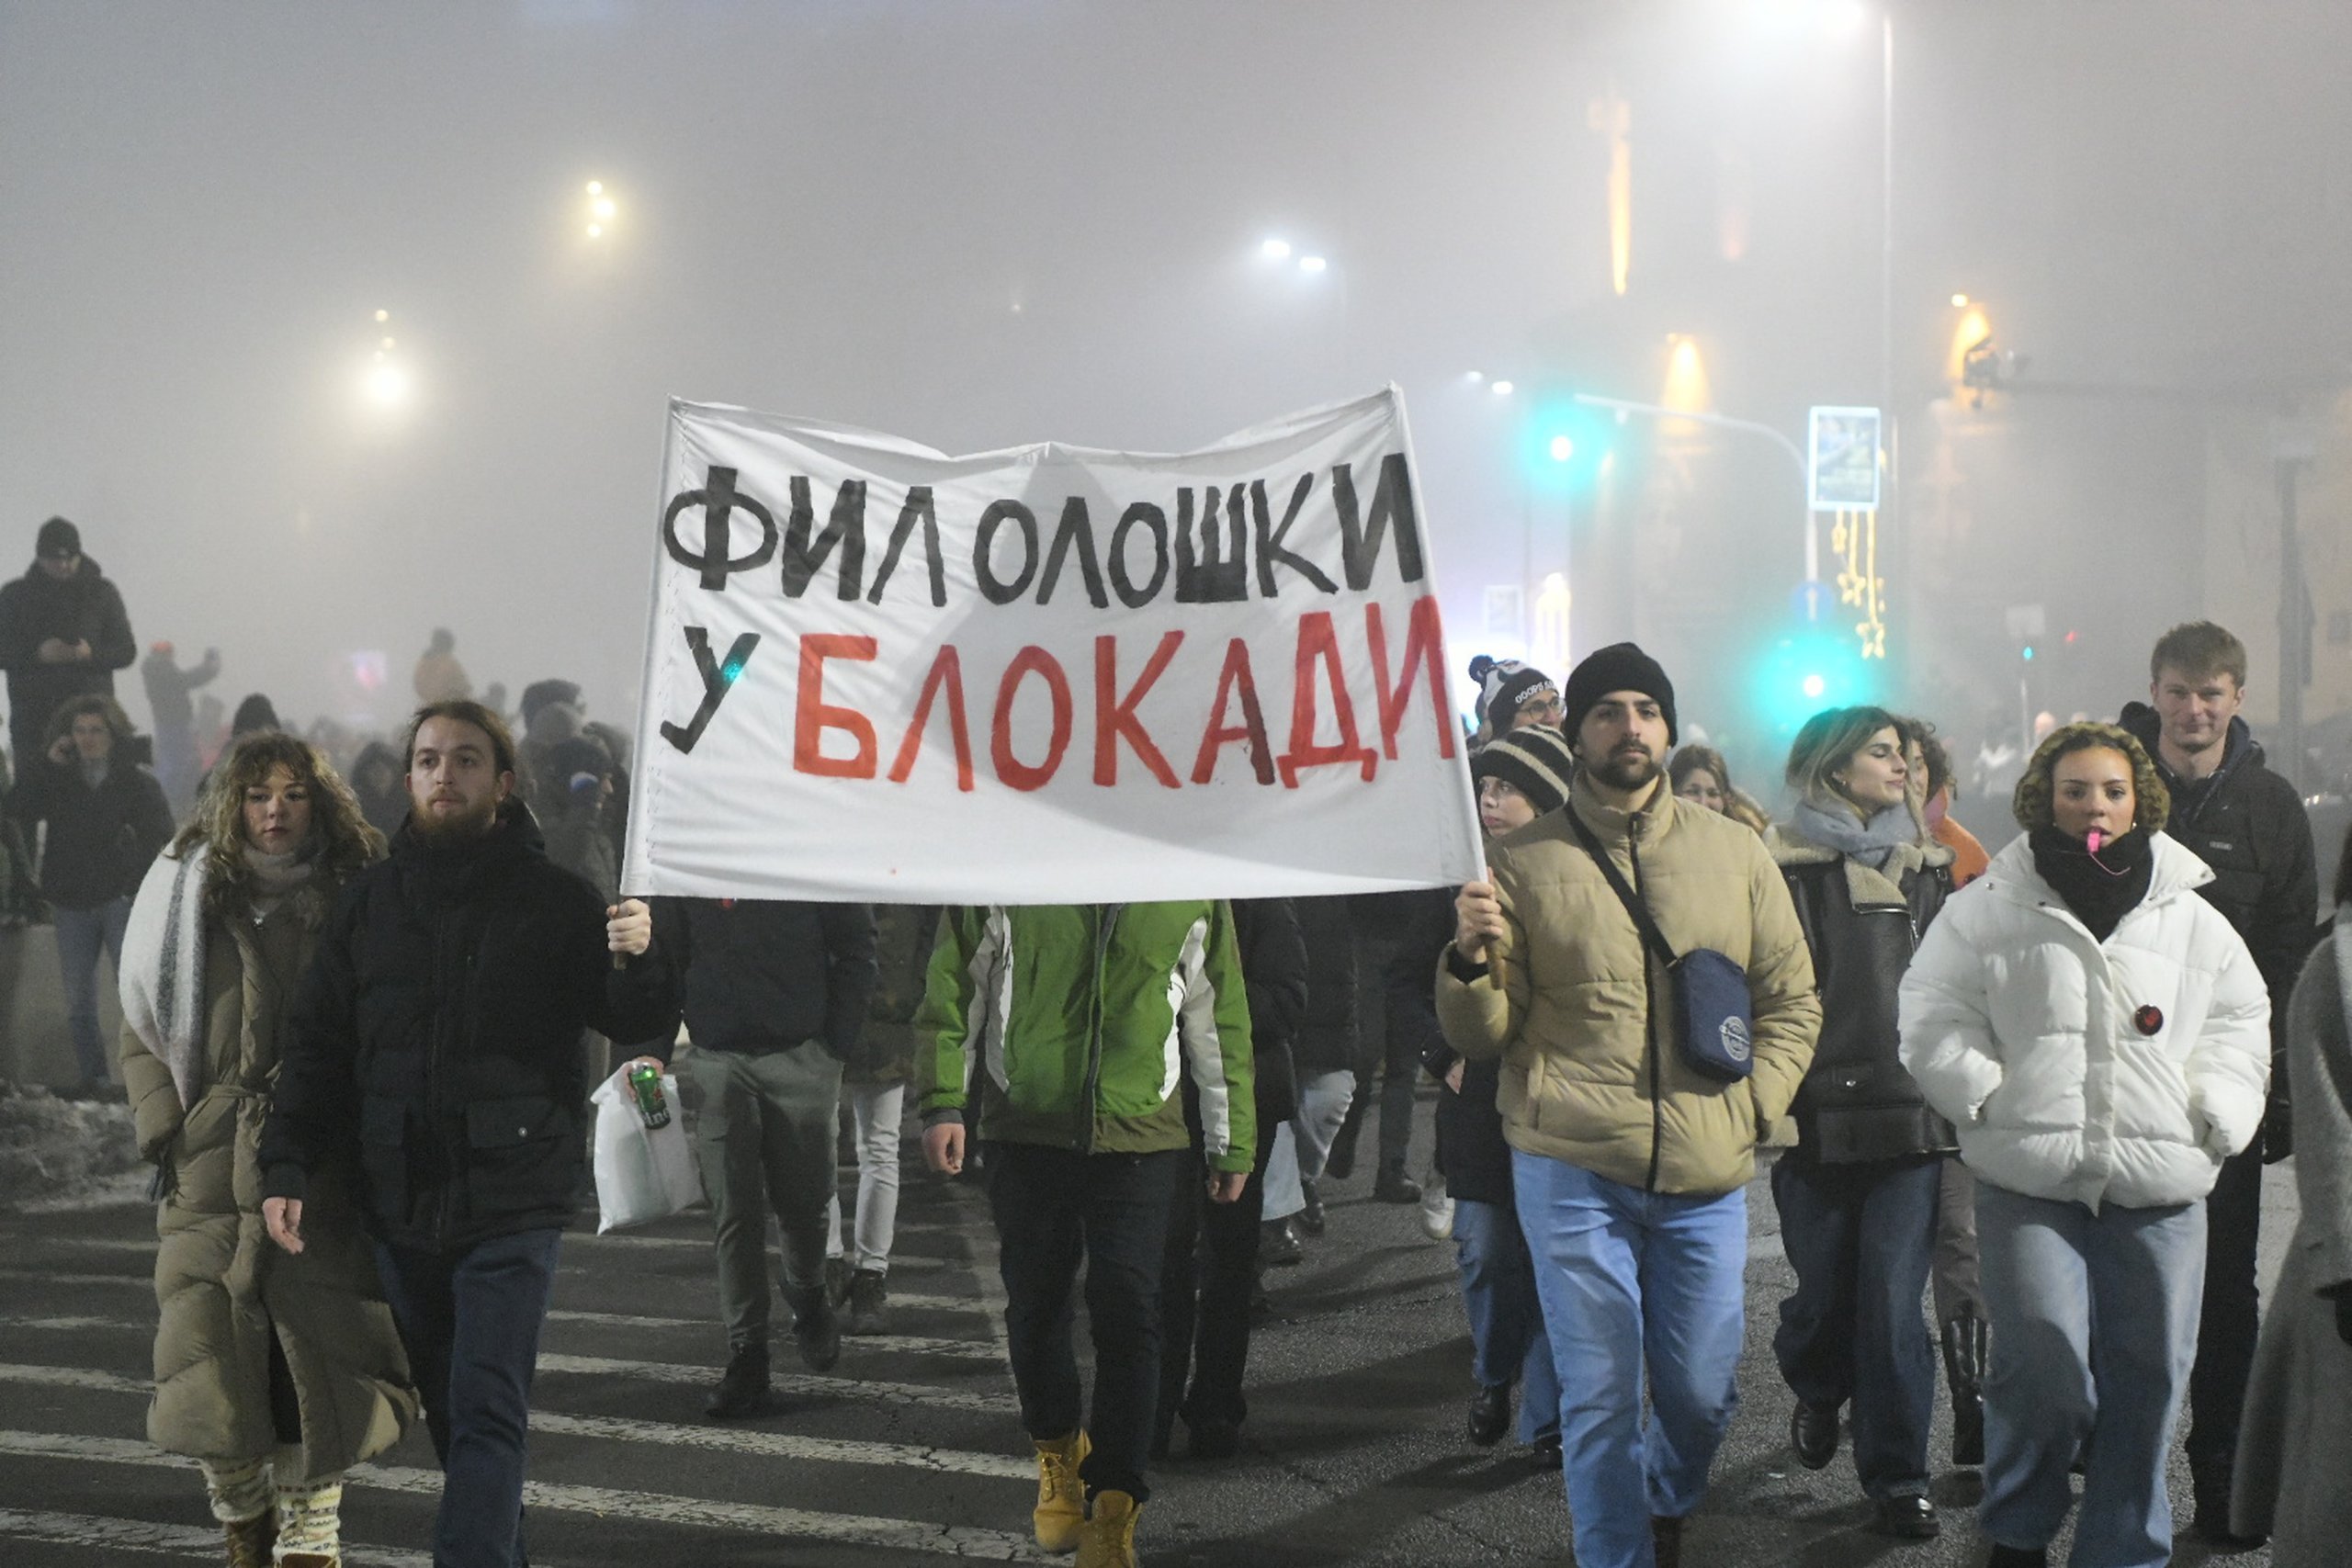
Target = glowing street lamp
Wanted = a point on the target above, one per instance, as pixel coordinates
(1312, 263)
(387, 384)
(1275, 250)
(1563, 448)
(1500, 388)
(602, 209)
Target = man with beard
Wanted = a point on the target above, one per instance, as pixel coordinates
(2247, 823)
(437, 1037)
(1631, 1147)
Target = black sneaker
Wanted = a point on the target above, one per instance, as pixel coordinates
(1309, 1220)
(743, 1388)
(1813, 1433)
(1278, 1247)
(1489, 1416)
(1908, 1517)
(867, 1295)
(817, 1329)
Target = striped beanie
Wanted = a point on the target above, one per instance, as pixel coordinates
(1536, 761)
(1503, 686)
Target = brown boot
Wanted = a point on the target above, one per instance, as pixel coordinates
(250, 1540)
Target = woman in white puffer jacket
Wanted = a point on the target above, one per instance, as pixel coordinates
(2100, 1035)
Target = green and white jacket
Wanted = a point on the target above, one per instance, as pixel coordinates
(1077, 1023)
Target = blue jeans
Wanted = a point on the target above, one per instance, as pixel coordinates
(1634, 1282)
(2094, 1333)
(1860, 1237)
(471, 1325)
(1506, 1338)
(80, 934)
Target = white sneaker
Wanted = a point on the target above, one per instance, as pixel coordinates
(1437, 1209)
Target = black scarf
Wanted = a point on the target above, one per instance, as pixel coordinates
(2100, 892)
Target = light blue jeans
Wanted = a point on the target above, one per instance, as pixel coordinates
(80, 935)
(1507, 1340)
(1302, 1142)
(1634, 1282)
(2094, 1331)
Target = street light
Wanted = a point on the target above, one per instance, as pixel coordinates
(1312, 263)
(1275, 250)
(1500, 388)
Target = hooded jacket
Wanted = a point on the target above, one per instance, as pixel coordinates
(437, 1032)
(225, 1296)
(1590, 1071)
(84, 607)
(2116, 1072)
(1075, 1022)
(1861, 925)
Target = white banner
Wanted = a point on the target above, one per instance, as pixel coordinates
(1044, 675)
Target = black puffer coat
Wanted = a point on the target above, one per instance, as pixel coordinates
(1857, 1101)
(84, 607)
(437, 1033)
(1326, 1041)
(101, 839)
(1274, 970)
(2249, 825)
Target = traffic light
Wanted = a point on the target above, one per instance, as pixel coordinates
(1564, 448)
(1803, 672)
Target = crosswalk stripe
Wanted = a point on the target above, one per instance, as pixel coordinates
(786, 1444)
(901, 1344)
(729, 1440)
(914, 1300)
(809, 1384)
(175, 1541)
(571, 1239)
(851, 1529)
(43, 1277)
(887, 1343)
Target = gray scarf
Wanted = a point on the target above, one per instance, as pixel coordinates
(270, 878)
(1873, 842)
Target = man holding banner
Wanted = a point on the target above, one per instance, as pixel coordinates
(1074, 1022)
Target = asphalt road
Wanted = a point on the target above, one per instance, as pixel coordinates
(911, 1451)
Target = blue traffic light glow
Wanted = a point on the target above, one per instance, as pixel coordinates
(1797, 676)
(1562, 445)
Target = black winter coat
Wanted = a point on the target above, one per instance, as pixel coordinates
(764, 974)
(100, 841)
(1471, 1153)
(437, 1033)
(1275, 969)
(85, 607)
(1326, 1037)
(2248, 824)
(1858, 1102)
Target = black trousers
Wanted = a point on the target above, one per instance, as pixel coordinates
(1054, 1208)
(2226, 1334)
(1204, 1289)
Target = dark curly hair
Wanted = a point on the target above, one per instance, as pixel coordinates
(2153, 801)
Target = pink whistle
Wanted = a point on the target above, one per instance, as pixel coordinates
(2094, 841)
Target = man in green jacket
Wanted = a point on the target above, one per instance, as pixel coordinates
(1074, 1023)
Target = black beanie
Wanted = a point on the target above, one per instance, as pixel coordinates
(1536, 761)
(58, 537)
(1620, 667)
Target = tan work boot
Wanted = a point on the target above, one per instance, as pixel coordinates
(1061, 1496)
(250, 1540)
(1109, 1540)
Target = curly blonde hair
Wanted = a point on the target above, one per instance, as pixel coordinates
(2153, 801)
(346, 843)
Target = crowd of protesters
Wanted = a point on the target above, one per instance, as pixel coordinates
(368, 984)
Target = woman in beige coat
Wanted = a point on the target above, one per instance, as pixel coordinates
(276, 1373)
(2296, 1447)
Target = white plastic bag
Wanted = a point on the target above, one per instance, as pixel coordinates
(642, 1173)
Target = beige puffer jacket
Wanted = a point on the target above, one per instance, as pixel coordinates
(223, 1289)
(1592, 1074)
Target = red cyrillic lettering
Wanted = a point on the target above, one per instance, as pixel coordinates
(1424, 641)
(1318, 645)
(1234, 676)
(1115, 715)
(813, 716)
(1011, 769)
(947, 674)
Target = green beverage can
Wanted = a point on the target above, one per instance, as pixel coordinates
(651, 1103)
